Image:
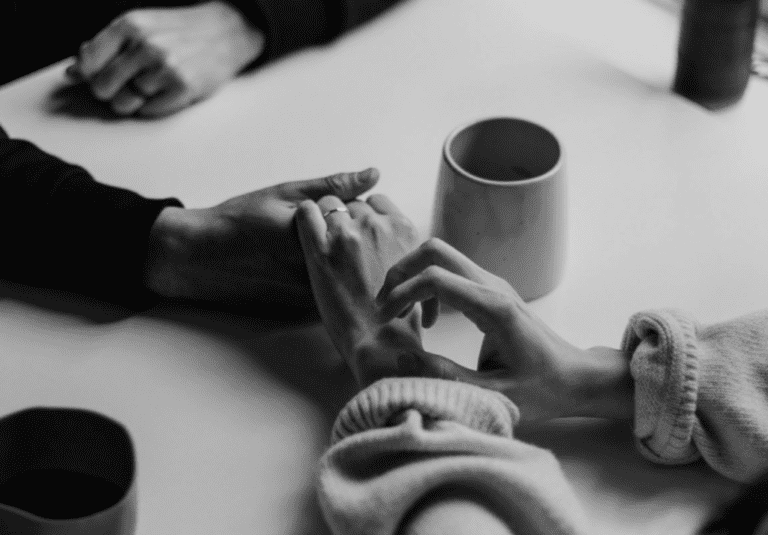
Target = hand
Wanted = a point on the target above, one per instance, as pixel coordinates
(347, 256)
(520, 356)
(157, 61)
(243, 250)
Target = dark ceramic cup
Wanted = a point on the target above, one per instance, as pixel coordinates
(66, 472)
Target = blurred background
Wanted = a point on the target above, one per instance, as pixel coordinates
(760, 60)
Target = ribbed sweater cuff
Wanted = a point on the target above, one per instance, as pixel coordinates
(471, 406)
(665, 365)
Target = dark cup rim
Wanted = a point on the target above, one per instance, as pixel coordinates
(45, 521)
(497, 183)
(128, 495)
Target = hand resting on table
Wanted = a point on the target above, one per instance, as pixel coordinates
(158, 61)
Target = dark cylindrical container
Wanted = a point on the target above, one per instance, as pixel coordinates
(715, 50)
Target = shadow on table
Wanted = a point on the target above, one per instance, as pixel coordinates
(291, 348)
(84, 307)
(289, 345)
(76, 100)
(294, 349)
(297, 353)
(608, 447)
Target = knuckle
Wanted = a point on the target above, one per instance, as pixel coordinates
(133, 23)
(349, 236)
(103, 84)
(284, 191)
(123, 107)
(370, 221)
(125, 24)
(337, 183)
(378, 232)
(153, 52)
(173, 68)
(431, 275)
(431, 248)
(411, 234)
(430, 244)
(302, 211)
(499, 305)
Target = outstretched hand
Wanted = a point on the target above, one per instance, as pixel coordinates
(157, 61)
(520, 356)
(245, 250)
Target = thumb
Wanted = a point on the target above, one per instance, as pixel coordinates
(345, 186)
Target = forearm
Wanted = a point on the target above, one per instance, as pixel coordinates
(290, 26)
(604, 387)
(599, 385)
(66, 231)
(287, 26)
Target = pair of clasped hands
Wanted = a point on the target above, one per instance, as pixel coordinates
(313, 245)
(376, 284)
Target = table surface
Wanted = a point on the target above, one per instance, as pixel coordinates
(667, 206)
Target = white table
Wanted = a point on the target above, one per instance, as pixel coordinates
(668, 206)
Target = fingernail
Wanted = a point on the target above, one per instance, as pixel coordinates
(409, 364)
(367, 175)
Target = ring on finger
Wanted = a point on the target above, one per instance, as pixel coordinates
(336, 209)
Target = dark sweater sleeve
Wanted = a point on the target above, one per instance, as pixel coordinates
(293, 24)
(64, 230)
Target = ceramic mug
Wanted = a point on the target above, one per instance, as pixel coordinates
(66, 472)
(501, 200)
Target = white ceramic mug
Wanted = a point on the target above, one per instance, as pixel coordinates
(501, 200)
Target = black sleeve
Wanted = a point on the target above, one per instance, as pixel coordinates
(293, 24)
(61, 229)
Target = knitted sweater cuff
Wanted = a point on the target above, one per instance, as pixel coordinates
(665, 366)
(479, 409)
(402, 441)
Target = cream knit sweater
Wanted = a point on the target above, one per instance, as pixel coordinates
(699, 392)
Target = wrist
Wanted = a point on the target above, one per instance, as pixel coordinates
(377, 355)
(248, 41)
(168, 250)
(603, 386)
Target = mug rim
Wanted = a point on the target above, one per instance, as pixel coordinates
(114, 510)
(511, 183)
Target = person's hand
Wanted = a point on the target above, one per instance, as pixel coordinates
(520, 356)
(244, 250)
(157, 61)
(347, 256)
